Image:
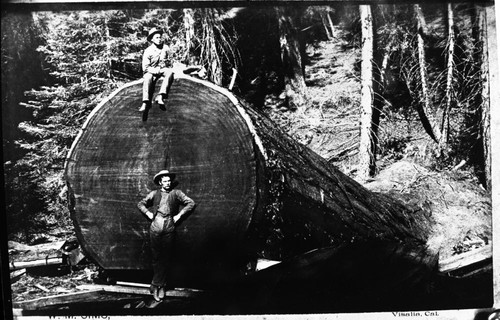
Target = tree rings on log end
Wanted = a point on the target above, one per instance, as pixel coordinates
(201, 136)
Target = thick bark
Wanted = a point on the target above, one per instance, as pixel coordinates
(209, 45)
(291, 56)
(427, 117)
(367, 144)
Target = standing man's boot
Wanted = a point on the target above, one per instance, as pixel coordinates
(155, 293)
(161, 293)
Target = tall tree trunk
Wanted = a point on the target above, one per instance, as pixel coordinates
(487, 61)
(291, 58)
(380, 67)
(366, 164)
(189, 34)
(209, 46)
(445, 121)
(217, 42)
(427, 117)
(108, 54)
(385, 62)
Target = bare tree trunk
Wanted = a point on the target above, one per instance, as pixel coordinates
(291, 58)
(445, 121)
(385, 63)
(327, 31)
(366, 162)
(189, 34)
(108, 55)
(332, 28)
(423, 107)
(379, 83)
(488, 62)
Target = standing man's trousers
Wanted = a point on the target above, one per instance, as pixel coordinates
(162, 234)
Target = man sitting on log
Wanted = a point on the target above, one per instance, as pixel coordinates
(154, 66)
(165, 204)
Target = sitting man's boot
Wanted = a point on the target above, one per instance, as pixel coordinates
(160, 99)
(143, 107)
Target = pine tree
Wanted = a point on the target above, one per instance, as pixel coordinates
(21, 70)
(77, 50)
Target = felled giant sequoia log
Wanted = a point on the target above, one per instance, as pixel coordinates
(258, 192)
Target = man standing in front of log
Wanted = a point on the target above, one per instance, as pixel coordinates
(165, 204)
(154, 66)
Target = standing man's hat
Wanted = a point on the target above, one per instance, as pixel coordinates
(152, 32)
(163, 173)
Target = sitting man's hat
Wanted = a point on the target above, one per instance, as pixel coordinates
(163, 173)
(152, 32)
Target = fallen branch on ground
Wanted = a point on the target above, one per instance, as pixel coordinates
(140, 290)
(15, 265)
(466, 259)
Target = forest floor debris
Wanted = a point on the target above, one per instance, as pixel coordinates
(460, 207)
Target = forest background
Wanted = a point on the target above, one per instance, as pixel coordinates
(401, 82)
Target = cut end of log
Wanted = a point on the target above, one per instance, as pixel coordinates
(201, 136)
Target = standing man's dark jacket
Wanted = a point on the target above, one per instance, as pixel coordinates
(165, 205)
(170, 205)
